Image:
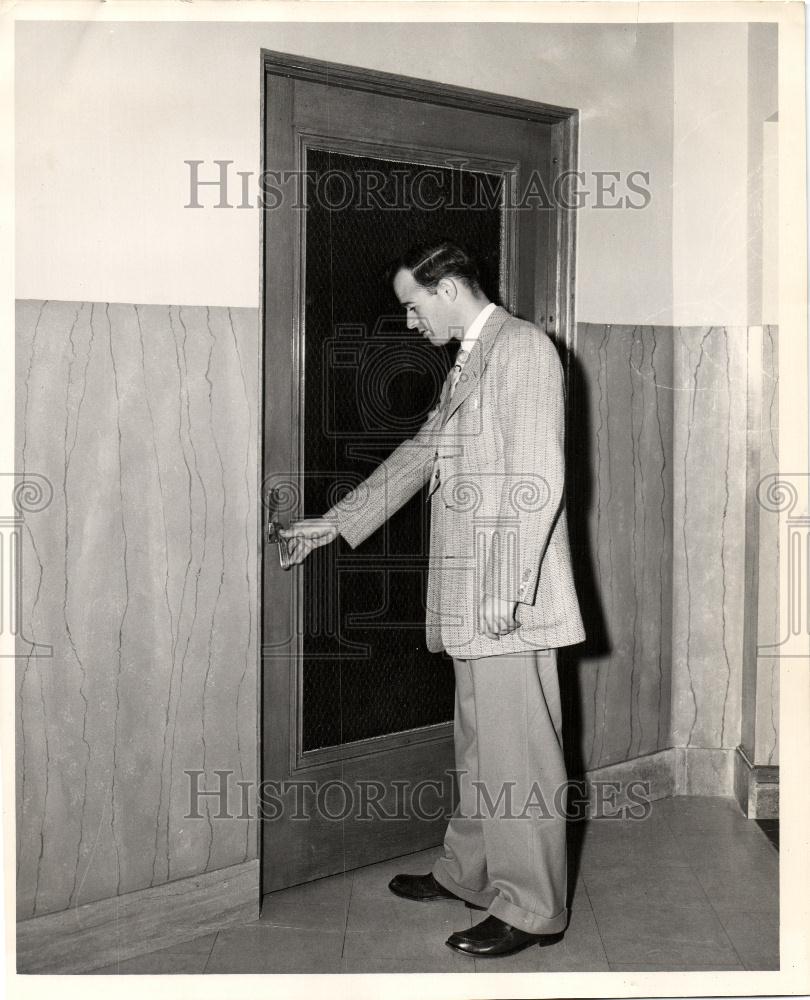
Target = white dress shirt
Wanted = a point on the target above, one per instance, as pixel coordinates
(472, 333)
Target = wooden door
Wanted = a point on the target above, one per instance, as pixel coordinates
(357, 715)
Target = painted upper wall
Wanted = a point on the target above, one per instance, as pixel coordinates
(106, 114)
(725, 90)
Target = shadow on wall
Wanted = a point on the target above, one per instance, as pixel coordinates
(619, 440)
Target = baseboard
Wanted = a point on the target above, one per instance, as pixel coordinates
(756, 787)
(99, 934)
(703, 770)
(676, 771)
(656, 769)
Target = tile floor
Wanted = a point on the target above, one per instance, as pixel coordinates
(693, 887)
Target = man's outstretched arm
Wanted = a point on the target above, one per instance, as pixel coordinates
(365, 508)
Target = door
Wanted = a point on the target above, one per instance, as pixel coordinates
(357, 751)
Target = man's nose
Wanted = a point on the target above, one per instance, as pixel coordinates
(412, 322)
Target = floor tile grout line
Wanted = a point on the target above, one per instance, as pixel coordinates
(210, 952)
(595, 919)
(346, 922)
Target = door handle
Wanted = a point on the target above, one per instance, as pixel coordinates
(272, 528)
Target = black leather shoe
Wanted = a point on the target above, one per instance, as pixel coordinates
(424, 889)
(493, 938)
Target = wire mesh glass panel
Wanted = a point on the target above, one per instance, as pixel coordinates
(370, 383)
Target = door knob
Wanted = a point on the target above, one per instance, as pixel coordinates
(271, 501)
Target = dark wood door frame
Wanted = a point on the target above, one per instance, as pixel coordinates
(564, 124)
(558, 316)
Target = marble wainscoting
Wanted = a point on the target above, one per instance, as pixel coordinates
(620, 509)
(710, 455)
(659, 458)
(142, 576)
(757, 760)
(764, 740)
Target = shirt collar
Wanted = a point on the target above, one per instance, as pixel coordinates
(473, 332)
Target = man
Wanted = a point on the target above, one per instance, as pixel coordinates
(500, 600)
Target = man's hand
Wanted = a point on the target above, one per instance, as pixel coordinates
(304, 536)
(496, 617)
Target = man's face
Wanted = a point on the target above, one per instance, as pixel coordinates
(429, 312)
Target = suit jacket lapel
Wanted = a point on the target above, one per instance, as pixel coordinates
(477, 361)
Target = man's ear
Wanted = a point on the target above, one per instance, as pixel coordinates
(448, 288)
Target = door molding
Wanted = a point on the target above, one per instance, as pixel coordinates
(564, 124)
(394, 85)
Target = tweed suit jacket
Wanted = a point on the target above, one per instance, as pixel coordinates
(493, 453)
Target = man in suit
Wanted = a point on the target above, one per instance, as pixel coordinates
(501, 597)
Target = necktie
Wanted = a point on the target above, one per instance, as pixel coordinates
(455, 371)
(454, 375)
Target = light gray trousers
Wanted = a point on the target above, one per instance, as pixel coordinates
(505, 845)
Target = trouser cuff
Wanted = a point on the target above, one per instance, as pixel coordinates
(525, 920)
(468, 895)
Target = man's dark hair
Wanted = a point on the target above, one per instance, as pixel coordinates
(430, 262)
